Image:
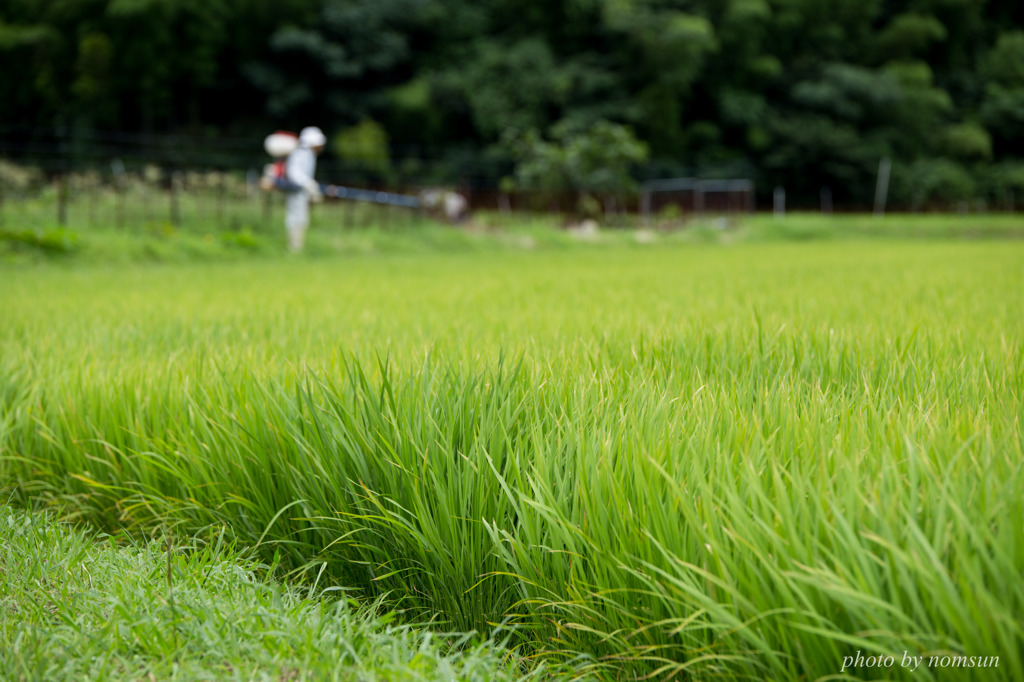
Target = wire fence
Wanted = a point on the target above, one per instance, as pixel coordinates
(127, 180)
(130, 181)
(159, 199)
(156, 199)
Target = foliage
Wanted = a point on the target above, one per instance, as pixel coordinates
(968, 141)
(939, 180)
(366, 145)
(57, 241)
(801, 93)
(597, 158)
(909, 35)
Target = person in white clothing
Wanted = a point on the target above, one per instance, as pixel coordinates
(300, 169)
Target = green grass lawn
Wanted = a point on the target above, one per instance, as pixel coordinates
(78, 607)
(743, 461)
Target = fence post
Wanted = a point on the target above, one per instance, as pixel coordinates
(120, 192)
(117, 168)
(252, 184)
(95, 193)
(62, 194)
(175, 209)
(779, 201)
(882, 187)
(220, 198)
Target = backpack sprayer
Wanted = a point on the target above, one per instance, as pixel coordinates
(282, 143)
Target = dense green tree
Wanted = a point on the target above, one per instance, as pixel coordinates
(804, 93)
(590, 160)
(1003, 107)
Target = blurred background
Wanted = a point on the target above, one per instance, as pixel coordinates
(521, 103)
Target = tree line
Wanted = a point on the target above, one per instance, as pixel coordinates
(808, 94)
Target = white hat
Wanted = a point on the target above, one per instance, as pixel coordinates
(312, 137)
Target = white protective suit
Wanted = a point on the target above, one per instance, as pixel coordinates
(300, 168)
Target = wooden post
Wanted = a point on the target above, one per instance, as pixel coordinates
(779, 201)
(175, 209)
(882, 187)
(62, 195)
(120, 206)
(94, 194)
(220, 198)
(117, 168)
(252, 184)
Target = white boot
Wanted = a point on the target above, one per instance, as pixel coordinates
(296, 238)
(296, 220)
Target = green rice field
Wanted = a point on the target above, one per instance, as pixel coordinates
(779, 459)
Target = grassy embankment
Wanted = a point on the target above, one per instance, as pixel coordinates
(137, 226)
(79, 607)
(748, 461)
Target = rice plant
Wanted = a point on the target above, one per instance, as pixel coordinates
(749, 462)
